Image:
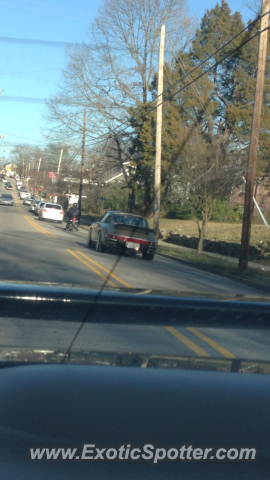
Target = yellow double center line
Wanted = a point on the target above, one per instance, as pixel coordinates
(195, 348)
(40, 229)
(18, 205)
(108, 278)
(210, 342)
(96, 267)
(88, 262)
(33, 223)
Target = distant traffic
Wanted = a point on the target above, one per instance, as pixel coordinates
(116, 231)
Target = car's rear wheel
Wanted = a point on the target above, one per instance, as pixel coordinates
(99, 246)
(148, 256)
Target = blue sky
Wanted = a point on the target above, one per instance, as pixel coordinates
(33, 70)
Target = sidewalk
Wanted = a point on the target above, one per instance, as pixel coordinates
(257, 266)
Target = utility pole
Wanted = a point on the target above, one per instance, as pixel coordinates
(39, 162)
(82, 164)
(90, 173)
(254, 138)
(23, 167)
(59, 163)
(44, 178)
(159, 133)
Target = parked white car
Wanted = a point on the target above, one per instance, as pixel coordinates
(51, 211)
(24, 194)
(18, 184)
(28, 200)
(4, 180)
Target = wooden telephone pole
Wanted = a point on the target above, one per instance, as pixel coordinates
(254, 138)
(82, 164)
(159, 133)
(59, 162)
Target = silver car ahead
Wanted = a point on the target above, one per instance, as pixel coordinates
(28, 200)
(38, 207)
(33, 205)
(6, 199)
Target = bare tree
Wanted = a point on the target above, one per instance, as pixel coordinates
(113, 68)
(209, 171)
(254, 5)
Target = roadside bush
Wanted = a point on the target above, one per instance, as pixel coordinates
(116, 198)
(224, 213)
(264, 246)
(180, 212)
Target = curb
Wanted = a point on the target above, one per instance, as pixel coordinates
(216, 272)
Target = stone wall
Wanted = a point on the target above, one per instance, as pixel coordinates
(229, 249)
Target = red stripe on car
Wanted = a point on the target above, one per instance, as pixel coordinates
(130, 239)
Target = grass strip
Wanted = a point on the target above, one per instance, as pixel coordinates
(256, 278)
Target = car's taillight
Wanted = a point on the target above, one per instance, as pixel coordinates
(44, 210)
(130, 239)
(61, 213)
(74, 218)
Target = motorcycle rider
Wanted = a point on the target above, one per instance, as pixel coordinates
(73, 212)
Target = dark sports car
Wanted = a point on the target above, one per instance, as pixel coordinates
(123, 232)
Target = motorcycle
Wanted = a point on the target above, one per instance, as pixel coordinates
(73, 224)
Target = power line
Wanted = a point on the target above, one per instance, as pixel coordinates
(215, 64)
(217, 51)
(110, 135)
(74, 155)
(204, 61)
(56, 6)
(42, 11)
(203, 73)
(10, 98)
(29, 71)
(25, 138)
(58, 44)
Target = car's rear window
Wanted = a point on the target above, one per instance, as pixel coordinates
(131, 220)
(52, 205)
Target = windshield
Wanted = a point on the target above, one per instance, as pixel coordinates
(162, 193)
(134, 138)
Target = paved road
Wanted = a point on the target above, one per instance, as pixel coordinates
(36, 251)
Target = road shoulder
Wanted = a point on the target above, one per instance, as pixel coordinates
(217, 271)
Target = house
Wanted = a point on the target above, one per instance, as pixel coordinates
(261, 194)
(11, 167)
